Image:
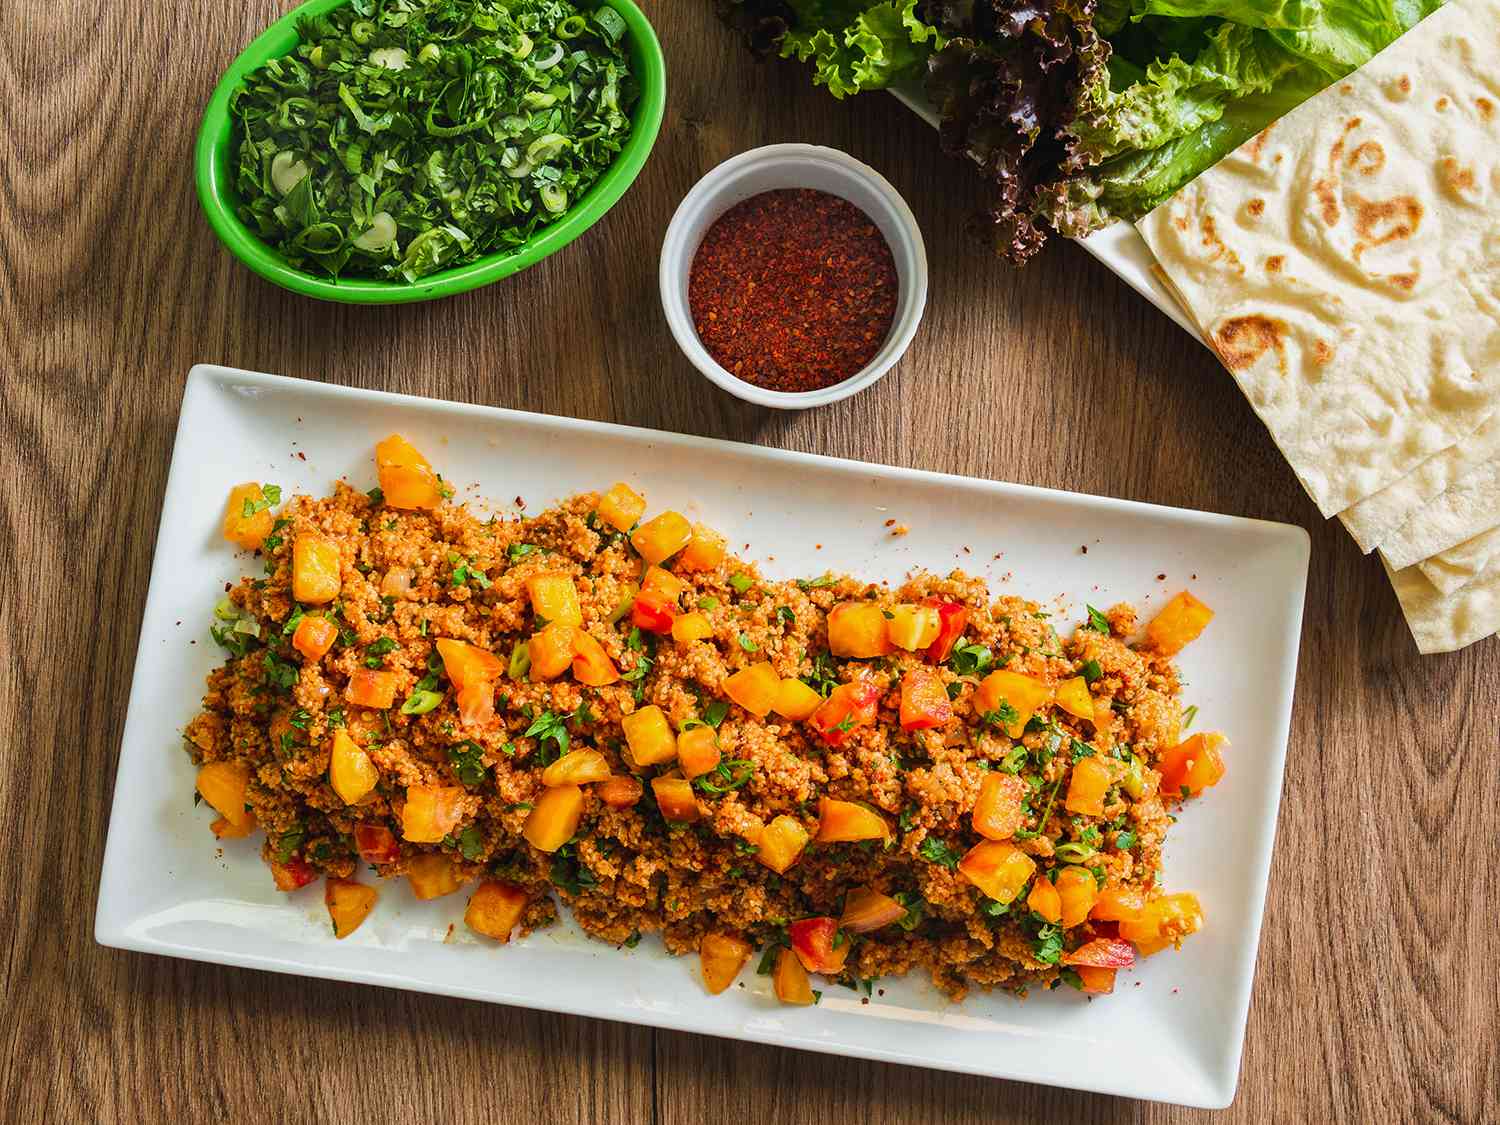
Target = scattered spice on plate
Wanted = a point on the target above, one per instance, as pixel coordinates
(793, 290)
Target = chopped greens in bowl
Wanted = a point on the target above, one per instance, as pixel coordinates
(379, 150)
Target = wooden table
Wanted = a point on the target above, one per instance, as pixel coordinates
(1377, 996)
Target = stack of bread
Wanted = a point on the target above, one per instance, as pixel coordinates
(1345, 266)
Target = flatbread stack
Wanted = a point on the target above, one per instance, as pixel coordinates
(1345, 266)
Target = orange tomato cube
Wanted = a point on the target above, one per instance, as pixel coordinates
(997, 868)
(866, 910)
(406, 477)
(674, 796)
(649, 736)
(552, 651)
(224, 786)
(953, 618)
(350, 770)
(924, 699)
(554, 598)
(1119, 904)
(247, 531)
(372, 689)
(1178, 624)
(847, 707)
(1078, 891)
(663, 582)
(224, 830)
(1045, 900)
(913, 627)
(349, 904)
(314, 636)
(1164, 921)
(781, 843)
(468, 664)
(691, 627)
(1074, 698)
(754, 688)
(576, 767)
(592, 666)
(554, 818)
(620, 791)
(315, 569)
(840, 821)
(621, 506)
(721, 957)
(1022, 694)
(432, 875)
(857, 630)
(697, 751)
(1096, 981)
(790, 981)
(705, 550)
(494, 909)
(1192, 766)
(998, 813)
(1087, 786)
(661, 537)
(476, 703)
(431, 812)
(795, 700)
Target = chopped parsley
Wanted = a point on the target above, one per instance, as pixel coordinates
(747, 644)
(1097, 621)
(741, 582)
(471, 843)
(971, 659)
(518, 551)
(549, 727)
(940, 852)
(288, 843)
(468, 761)
(270, 497)
(1124, 841)
(727, 775)
(375, 653)
(915, 909)
(1091, 671)
(824, 676)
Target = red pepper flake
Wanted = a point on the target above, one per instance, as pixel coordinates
(793, 290)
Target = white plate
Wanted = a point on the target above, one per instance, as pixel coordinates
(1119, 246)
(1173, 1031)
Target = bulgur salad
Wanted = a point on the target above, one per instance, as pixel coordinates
(592, 707)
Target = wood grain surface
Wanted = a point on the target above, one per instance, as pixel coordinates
(1376, 998)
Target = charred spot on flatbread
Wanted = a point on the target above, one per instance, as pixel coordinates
(1256, 208)
(1258, 144)
(1381, 221)
(1367, 158)
(1458, 179)
(1485, 106)
(1275, 263)
(1241, 340)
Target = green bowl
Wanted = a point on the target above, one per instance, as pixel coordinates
(215, 177)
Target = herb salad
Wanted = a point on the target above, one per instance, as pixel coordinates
(402, 137)
(598, 708)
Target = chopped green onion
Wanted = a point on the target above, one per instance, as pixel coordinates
(741, 582)
(421, 702)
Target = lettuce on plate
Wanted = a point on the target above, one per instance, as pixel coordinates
(1083, 112)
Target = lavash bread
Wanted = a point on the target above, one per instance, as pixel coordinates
(1446, 622)
(1454, 569)
(1345, 263)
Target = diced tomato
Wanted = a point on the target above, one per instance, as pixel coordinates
(476, 703)
(848, 706)
(722, 956)
(998, 810)
(1096, 982)
(620, 791)
(1192, 766)
(376, 843)
(789, 979)
(866, 910)
(781, 843)
(314, 636)
(293, 874)
(924, 700)
(652, 612)
(815, 941)
(1102, 953)
(953, 618)
(468, 664)
(591, 664)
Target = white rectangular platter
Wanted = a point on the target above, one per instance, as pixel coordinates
(1172, 1031)
(1119, 246)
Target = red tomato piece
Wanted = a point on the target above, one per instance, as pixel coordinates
(376, 843)
(847, 706)
(924, 700)
(953, 619)
(652, 612)
(813, 940)
(1102, 953)
(476, 703)
(293, 874)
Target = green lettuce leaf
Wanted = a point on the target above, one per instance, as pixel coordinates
(854, 48)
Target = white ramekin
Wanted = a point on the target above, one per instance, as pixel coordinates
(794, 166)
